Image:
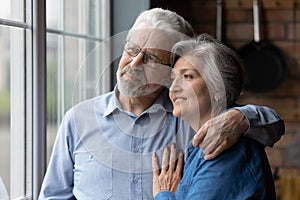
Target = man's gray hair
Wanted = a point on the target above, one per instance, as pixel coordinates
(164, 19)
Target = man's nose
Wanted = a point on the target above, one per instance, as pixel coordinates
(137, 61)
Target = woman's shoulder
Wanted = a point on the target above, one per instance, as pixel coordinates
(243, 152)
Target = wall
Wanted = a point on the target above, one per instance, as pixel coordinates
(124, 14)
(282, 27)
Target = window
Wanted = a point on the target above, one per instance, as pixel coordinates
(77, 68)
(15, 45)
(77, 56)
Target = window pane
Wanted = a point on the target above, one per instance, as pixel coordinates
(54, 14)
(5, 10)
(13, 146)
(75, 16)
(13, 10)
(15, 57)
(29, 116)
(54, 92)
(17, 92)
(5, 106)
(82, 17)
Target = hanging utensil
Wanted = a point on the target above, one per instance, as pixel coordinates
(264, 62)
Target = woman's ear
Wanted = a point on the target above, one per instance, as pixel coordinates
(222, 98)
(217, 97)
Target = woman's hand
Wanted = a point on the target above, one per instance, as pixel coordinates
(168, 178)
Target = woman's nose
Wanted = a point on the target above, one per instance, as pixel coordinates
(175, 86)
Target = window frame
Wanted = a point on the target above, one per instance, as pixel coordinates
(28, 92)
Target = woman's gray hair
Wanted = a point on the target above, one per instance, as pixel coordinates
(219, 65)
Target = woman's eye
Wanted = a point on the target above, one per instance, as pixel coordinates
(187, 76)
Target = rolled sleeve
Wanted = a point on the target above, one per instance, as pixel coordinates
(165, 195)
(265, 125)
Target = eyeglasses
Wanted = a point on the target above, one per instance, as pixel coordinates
(134, 50)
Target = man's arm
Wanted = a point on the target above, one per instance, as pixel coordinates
(260, 123)
(58, 181)
(265, 125)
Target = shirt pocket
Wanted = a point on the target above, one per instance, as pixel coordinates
(92, 177)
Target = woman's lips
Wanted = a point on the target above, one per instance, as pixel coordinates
(178, 99)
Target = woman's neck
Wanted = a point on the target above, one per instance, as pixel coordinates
(197, 124)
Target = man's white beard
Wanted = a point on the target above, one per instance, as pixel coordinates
(136, 88)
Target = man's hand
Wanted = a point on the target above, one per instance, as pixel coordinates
(219, 133)
(168, 178)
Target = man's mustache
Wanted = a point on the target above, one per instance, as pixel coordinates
(147, 74)
(137, 73)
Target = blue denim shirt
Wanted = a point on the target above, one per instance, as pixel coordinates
(241, 172)
(103, 152)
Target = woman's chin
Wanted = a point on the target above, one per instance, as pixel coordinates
(176, 113)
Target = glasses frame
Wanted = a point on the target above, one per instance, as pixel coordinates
(146, 55)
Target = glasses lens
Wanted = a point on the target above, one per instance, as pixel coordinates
(132, 49)
(149, 58)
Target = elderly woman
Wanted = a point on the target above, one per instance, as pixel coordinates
(207, 78)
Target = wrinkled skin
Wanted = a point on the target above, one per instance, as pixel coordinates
(168, 178)
(218, 134)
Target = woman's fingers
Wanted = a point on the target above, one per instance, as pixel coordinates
(156, 174)
(180, 163)
(155, 166)
(169, 177)
(172, 162)
(165, 160)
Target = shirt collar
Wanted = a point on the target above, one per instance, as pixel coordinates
(162, 102)
(113, 104)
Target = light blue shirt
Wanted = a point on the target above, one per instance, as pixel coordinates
(104, 152)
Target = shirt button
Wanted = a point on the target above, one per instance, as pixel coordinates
(136, 149)
(135, 180)
(140, 122)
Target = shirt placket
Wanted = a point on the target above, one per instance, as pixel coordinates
(135, 176)
(136, 164)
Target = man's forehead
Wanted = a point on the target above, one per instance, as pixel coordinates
(151, 38)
